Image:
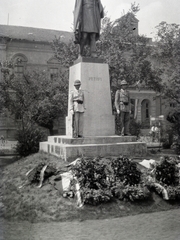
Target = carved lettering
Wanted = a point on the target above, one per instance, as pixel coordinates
(95, 79)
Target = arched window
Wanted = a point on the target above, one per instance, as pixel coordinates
(20, 61)
(145, 113)
(147, 109)
(53, 67)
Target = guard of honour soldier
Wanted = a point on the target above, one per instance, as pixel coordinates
(77, 109)
(123, 107)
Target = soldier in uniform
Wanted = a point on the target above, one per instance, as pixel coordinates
(77, 108)
(122, 104)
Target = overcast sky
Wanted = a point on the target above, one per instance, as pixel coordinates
(58, 14)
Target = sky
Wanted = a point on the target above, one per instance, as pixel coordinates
(58, 14)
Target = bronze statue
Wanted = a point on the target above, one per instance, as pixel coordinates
(87, 24)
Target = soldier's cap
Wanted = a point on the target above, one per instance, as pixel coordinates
(123, 82)
(77, 82)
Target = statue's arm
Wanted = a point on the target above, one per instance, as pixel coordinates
(101, 9)
(75, 4)
(77, 13)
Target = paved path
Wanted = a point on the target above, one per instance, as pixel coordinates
(153, 226)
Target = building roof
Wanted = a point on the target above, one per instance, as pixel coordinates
(33, 34)
(131, 16)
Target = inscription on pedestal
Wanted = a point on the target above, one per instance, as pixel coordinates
(95, 79)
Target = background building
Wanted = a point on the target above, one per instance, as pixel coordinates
(32, 46)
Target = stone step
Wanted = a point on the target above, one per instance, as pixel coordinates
(90, 140)
(69, 152)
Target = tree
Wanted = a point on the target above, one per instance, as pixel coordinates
(51, 98)
(32, 97)
(167, 59)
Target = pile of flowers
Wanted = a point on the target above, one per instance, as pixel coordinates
(39, 174)
(100, 181)
(164, 177)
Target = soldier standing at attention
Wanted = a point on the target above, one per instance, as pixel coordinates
(122, 104)
(77, 109)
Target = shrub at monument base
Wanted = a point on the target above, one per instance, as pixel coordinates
(28, 140)
(135, 127)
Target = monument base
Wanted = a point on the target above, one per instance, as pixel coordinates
(69, 148)
(99, 122)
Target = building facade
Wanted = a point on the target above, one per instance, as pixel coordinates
(32, 48)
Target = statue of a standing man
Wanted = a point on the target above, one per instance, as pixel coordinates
(87, 24)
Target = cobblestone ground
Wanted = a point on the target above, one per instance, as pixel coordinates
(153, 226)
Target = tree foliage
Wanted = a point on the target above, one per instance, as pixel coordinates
(167, 58)
(33, 97)
(51, 98)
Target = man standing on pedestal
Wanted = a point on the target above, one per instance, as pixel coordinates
(122, 104)
(77, 109)
(87, 24)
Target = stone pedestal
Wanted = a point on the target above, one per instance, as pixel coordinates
(99, 123)
(70, 148)
(94, 76)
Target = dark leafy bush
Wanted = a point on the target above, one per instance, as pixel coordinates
(167, 171)
(132, 193)
(94, 197)
(126, 171)
(174, 119)
(28, 141)
(176, 145)
(135, 127)
(165, 143)
(91, 175)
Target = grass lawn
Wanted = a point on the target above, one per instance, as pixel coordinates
(47, 204)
